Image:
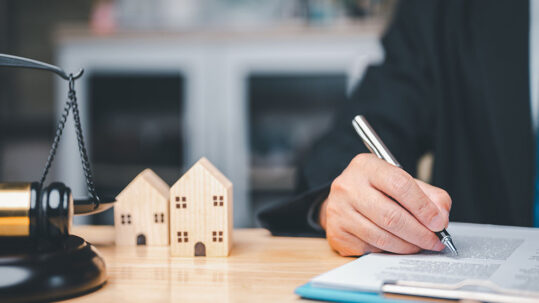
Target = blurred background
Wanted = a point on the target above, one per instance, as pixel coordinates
(248, 84)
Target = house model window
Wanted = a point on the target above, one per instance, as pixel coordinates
(181, 202)
(159, 218)
(217, 236)
(126, 219)
(183, 237)
(218, 200)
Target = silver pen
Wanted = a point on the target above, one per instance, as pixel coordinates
(377, 147)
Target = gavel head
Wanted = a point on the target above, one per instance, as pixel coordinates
(28, 211)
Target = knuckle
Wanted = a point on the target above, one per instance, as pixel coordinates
(382, 241)
(338, 185)
(364, 162)
(361, 159)
(343, 188)
(443, 198)
(331, 210)
(401, 183)
(392, 219)
(426, 211)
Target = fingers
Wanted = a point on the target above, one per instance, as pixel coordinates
(395, 220)
(338, 211)
(437, 195)
(377, 237)
(399, 185)
(348, 245)
(361, 214)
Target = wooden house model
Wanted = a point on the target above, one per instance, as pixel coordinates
(201, 213)
(141, 213)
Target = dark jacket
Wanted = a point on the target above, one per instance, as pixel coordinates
(455, 82)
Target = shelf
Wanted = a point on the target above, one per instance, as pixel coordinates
(373, 26)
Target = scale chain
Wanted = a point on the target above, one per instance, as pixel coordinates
(72, 104)
(57, 137)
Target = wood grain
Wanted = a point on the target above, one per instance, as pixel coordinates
(260, 268)
(142, 211)
(201, 212)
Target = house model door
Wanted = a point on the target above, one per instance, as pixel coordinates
(200, 249)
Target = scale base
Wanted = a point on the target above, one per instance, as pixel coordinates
(73, 269)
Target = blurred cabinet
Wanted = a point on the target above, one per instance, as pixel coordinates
(286, 114)
(251, 102)
(135, 122)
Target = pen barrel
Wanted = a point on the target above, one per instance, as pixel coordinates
(372, 141)
(442, 234)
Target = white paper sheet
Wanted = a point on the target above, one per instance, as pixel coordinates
(505, 256)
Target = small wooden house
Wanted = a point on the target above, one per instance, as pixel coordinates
(141, 214)
(201, 213)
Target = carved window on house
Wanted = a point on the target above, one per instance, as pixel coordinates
(218, 200)
(126, 219)
(217, 236)
(159, 218)
(183, 236)
(181, 202)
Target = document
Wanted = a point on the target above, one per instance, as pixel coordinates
(491, 258)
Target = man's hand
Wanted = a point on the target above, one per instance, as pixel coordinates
(359, 216)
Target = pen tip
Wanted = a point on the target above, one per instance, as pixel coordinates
(452, 247)
(448, 242)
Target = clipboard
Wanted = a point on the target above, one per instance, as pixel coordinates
(474, 290)
(311, 292)
(402, 291)
(308, 291)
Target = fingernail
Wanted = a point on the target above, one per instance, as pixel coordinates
(437, 223)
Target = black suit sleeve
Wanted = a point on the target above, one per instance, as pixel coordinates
(394, 97)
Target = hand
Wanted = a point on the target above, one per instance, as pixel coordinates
(359, 216)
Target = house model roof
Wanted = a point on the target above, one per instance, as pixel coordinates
(206, 164)
(150, 177)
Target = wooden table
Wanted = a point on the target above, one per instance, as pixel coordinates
(261, 268)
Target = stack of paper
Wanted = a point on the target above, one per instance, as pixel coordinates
(497, 263)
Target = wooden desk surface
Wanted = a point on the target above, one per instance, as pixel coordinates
(260, 268)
